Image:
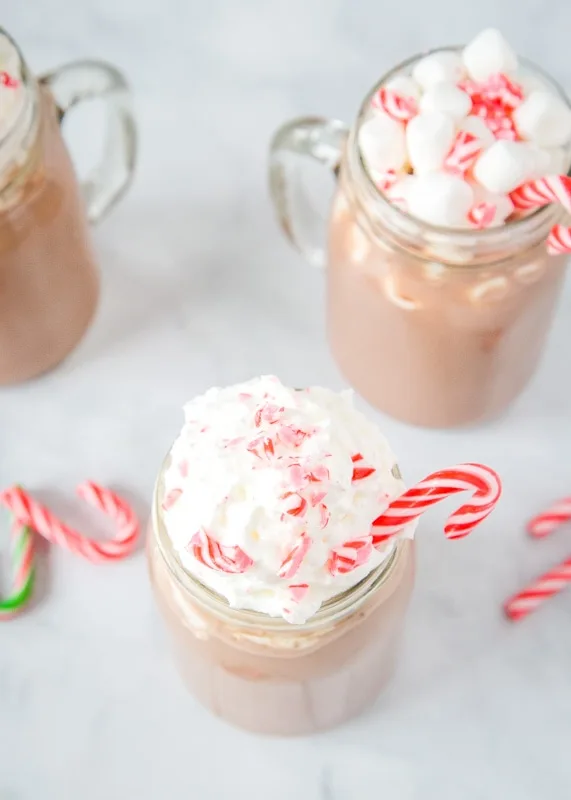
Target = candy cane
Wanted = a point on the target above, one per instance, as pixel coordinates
(559, 240)
(482, 215)
(22, 584)
(28, 511)
(221, 558)
(350, 555)
(395, 105)
(463, 154)
(549, 584)
(548, 521)
(542, 191)
(292, 562)
(485, 483)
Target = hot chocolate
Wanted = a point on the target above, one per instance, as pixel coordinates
(284, 615)
(443, 266)
(48, 277)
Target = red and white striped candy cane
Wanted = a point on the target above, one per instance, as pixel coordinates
(542, 191)
(559, 240)
(28, 511)
(395, 105)
(463, 154)
(222, 558)
(551, 519)
(482, 215)
(482, 480)
(530, 598)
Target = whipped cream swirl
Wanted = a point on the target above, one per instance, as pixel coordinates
(270, 493)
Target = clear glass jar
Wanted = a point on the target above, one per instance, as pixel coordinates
(49, 281)
(267, 675)
(435, 326)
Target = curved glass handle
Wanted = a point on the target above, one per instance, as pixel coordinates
(322, 140)
(85, 80)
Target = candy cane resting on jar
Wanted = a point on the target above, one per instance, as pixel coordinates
(449, 230)
(281, 552)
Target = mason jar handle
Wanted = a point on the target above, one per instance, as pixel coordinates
(317, 138)
(85, 80)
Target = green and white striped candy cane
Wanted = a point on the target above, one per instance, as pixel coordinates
(22, 583)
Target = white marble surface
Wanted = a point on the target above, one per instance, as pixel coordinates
(199, 288)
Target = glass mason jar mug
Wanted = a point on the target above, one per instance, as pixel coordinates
(49, 282)
(435, 326)
(267, 675)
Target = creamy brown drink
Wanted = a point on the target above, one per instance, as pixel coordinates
(440, 288)
(284, 617)
(48, 276)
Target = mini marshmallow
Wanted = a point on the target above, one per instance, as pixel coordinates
(395, 295)
(544, 119)
(382, 143)
(477, 127)
(530, 82)
(489, 54)
(530, 273)
(550, 161)
(504, 166)
(437, 67)
(447, 98)
(490, 291)
(440, 199)
(405, 86)
(429, 137)
(502, 203)
(399, 191)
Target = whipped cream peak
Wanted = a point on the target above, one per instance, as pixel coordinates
(270, 493)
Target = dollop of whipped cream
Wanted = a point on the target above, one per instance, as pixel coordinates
(12, 89)
(270, 493)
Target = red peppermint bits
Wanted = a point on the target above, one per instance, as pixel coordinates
(360, 472)
(298, 505)
(222, 558)
(293, 560)
(171, 499)
(8, 80)
(350, 555)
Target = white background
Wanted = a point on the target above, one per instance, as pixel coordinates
(200, 289)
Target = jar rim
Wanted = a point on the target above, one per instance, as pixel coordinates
(332, 610)
(534, 226)
(27, 81)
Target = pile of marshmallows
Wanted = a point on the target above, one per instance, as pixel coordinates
(450, 142)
